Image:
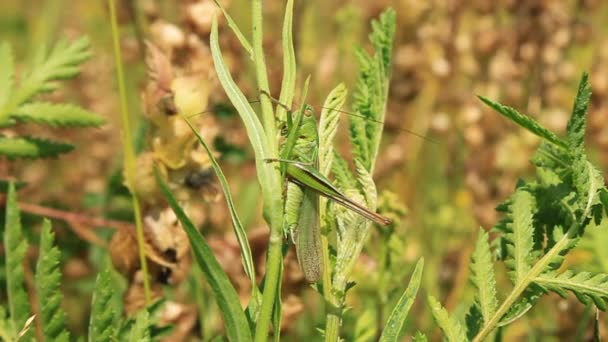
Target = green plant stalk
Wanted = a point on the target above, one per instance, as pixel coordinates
(274, 207)
(538, 268)
(128, 151)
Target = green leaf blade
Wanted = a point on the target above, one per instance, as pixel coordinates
(328, 126)
(521, 237)
(235, 321)
(585, 285)
(101, 322)
(453, 330)
(29, 147)
(395, 322)
(57, 115)
(524, 121)
(482, 276)
(15, 247)
(578, 121)
(48, 288)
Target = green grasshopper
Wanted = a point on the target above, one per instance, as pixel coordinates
(305, 185)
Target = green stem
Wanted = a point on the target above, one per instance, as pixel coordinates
(127, 146)
(273, 208)
(519, 288)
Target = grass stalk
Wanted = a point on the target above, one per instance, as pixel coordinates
(128, 151)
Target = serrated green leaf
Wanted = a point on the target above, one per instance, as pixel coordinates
(29, 147)
(140, 331)
(62, 62)
(101, 322)
(395, 321)
(15, 246)
(452, 329)
(48, 288)
(524, 121)
(56, 115)
(521, 236)
(235, 321)
(473, 320)
(371, 91)
(419, 337)
(578, 121)
(585, 286)
(482, 276)
(344, 177)
(328, 126)
(239, 230)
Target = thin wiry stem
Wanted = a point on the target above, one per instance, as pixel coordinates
(128, 151)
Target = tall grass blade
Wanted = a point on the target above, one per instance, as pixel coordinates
(237, 327)
(399, 314)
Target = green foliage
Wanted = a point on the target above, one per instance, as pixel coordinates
(61, 62)
(371, 92)
(235, 321)
(544, 219)
(139, 331)
(48, 288)
(328, 126)
(483, 278)
(15, 246)
(586, 286)
(101, 326)
(452, 329)
(395, 322)
(29, 147)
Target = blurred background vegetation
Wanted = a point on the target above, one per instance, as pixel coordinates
(527, 54)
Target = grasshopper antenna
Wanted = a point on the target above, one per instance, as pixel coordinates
(382, 122)
(273, 99)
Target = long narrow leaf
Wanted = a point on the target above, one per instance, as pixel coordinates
(399, 314)
(15, 246)
(237, 327)
(239, 230)
(288, 83)
(234, 27)
(524, 121)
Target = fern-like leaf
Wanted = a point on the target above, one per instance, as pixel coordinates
(48, 287)
(29, 147)
(15, 246)
(578, 120)
(56, 115)
(328, 126)
(482, 275)
(524, 121)
(419, 337)
(452, 329)
(344, 177)
(140, 331)
(520, 238)
(62, 62)
(372, 91)
(585, 286)
(101, 325)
